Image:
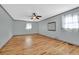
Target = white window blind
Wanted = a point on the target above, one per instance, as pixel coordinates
(70, 22)
(28, 26)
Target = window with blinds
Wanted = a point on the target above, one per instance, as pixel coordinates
(70, 22)
(28, 26)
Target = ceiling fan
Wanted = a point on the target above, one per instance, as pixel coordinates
(34, 16)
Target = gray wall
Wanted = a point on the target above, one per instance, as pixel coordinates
(19, 28)
(5, 27)
(71, 37)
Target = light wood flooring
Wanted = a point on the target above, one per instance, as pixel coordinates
(38, 45)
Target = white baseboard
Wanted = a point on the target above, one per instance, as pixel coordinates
(5, 41)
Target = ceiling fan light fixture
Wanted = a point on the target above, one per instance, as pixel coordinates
(34, 17)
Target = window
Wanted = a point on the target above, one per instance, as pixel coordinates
(70, 22)
(28, 26)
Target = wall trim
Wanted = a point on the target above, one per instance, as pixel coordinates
(6, 12)
(60, 40)
(60, 13)
(24, 34)
(6, 42)
(50, 38)
(42, 35)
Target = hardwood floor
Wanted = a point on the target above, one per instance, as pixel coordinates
(37, 45)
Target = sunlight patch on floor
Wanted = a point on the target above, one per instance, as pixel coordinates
(28, 42)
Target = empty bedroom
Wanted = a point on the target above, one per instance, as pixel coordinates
(39, 29)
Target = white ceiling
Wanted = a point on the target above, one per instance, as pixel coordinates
(24, 11)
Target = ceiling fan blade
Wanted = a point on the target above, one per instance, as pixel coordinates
(34, 14)
(39, 16)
